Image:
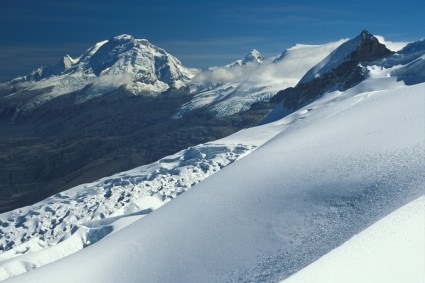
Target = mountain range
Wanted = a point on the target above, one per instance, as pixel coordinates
(324, 183)
(125, 103)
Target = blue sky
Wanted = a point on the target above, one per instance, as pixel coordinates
(200, 33)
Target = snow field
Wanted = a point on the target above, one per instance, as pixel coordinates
(72, 220)
(390, 250)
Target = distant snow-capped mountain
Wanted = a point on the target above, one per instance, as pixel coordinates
(137, 64)
(253, 57)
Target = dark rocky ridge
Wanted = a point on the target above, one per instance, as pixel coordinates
(349, 73)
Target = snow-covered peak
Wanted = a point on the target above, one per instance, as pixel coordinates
(123, 54)
(253, 57)
(145, 62)
(365, 35)
(122, 38)
(340, 70)
(122, 60)
(364, 47)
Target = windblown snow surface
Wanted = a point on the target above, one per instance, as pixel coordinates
(376, 253)
(326, 173)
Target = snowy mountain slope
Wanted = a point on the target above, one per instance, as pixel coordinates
(337, 166)
(228, 90)
(391, 250)
(344, 68)
(364, 47)
(74, 219)
(123, 60)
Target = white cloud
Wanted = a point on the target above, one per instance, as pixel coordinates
(221, 75)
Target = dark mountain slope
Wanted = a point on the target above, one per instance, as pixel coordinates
(55, 147)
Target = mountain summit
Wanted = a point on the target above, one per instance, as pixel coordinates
(122, 60)
(252, 57)
(340, 70)
(122, 54)
(364, 47)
